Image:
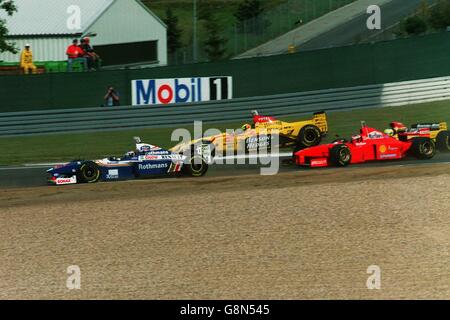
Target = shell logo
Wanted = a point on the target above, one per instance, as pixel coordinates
(383, 149)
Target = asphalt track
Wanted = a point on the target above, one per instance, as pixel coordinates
(35, 176)
(346, 34)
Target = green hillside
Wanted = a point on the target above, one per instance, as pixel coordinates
(279, 17)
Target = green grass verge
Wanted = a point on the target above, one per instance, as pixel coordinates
(55, 148)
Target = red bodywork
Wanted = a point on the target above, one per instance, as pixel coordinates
(370, 145)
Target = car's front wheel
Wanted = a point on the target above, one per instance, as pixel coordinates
(340, 155)
(196, 167)
(89, 172)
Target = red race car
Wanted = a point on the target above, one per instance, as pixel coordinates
(369, 145)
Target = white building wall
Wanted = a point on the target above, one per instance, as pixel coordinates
(127, 21)
(44, 49)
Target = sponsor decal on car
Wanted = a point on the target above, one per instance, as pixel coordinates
(158, 153)
(149, 157)
(375, 135)
(383, 149)
(261, 142)
(319, 162)
(145, 148)
(173, 157)
(64, 181)
(112, 174)
(388, 156)
(153, 166)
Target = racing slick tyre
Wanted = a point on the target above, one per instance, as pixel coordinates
(340, 155)
(423, 148)
(197, 167)
(443, 141)
(89, 172)
(309, 136)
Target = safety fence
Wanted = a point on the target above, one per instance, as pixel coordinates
(420, 57)
(123, 118)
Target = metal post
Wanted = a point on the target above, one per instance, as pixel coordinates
(306, 11)
(194, 37)
(245, 35)
(314, 10)
(235, 39)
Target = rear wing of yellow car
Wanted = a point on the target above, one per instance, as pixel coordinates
(320, 121)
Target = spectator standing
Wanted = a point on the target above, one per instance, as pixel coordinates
(26, 60)
(112, 98)
(75, 53)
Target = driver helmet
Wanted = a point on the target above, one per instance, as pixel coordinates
(356, 137)
(131, 154)
(246, 127)
(389, 132)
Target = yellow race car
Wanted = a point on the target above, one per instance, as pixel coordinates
(259, 135)
(438, 132)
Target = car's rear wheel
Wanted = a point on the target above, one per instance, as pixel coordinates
(196, 167)
(89, 172)
(423, 148)
(443, 141)
(309, 136)
(340, 155)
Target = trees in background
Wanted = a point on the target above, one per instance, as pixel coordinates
(436, 17)
(173, 32)
(215, 44)
(249, 17)
(210, 30)
(10, 8)
(415, 25)
(440, 15)
(249, 9)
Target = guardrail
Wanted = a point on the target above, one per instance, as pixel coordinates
(121, 118)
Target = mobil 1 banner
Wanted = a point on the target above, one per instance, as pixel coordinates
(181, 90)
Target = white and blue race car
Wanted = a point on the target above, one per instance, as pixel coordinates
(145, 161)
